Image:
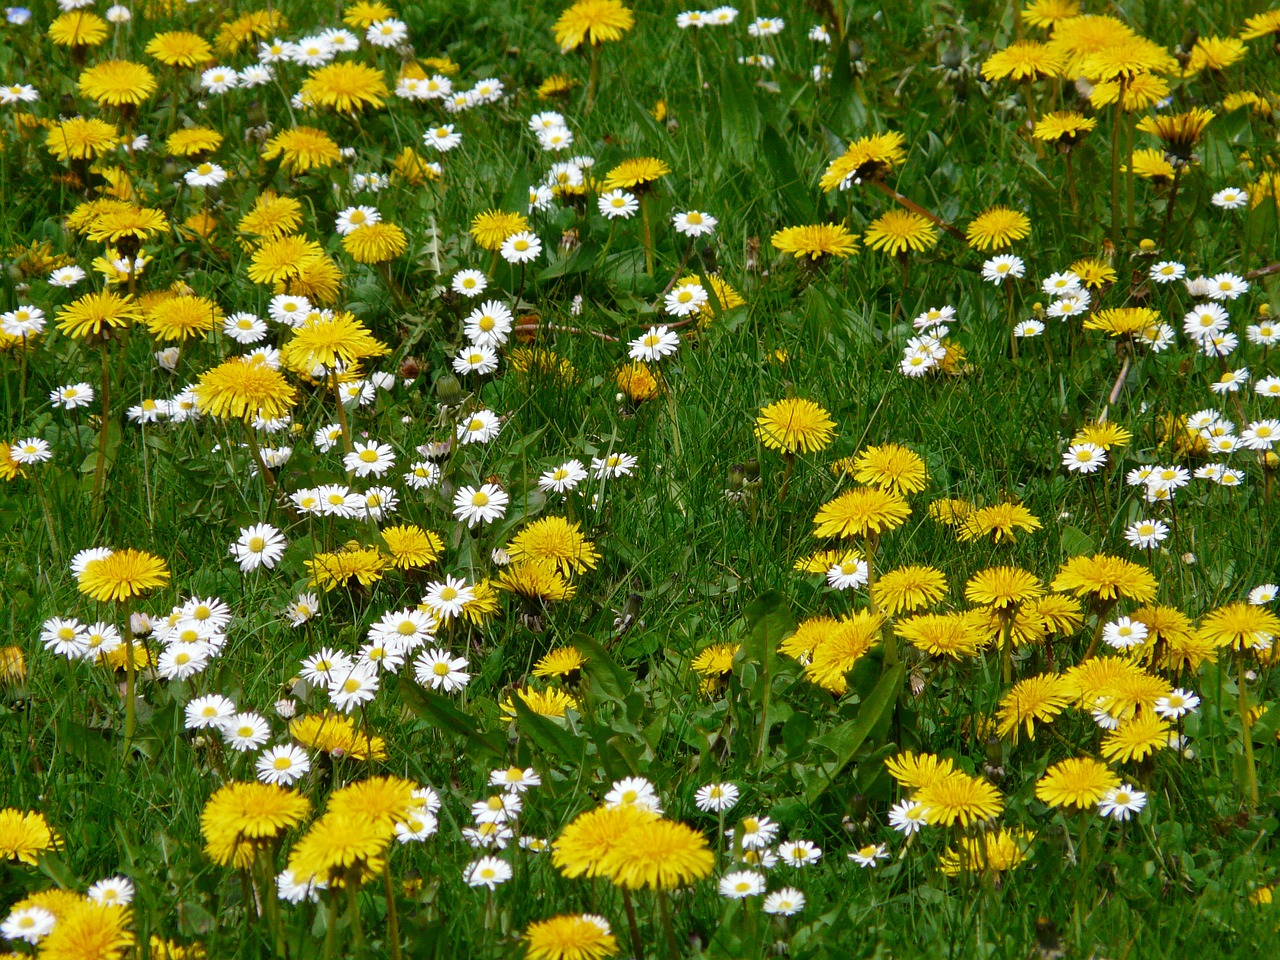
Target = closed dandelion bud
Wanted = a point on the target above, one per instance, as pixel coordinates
(13, 666)
(449, 390)
(752, 470)
(1037, 310)
(952, 57)
(737, 476)
(1264, 310)
(1146, 245)
(858, 807)
(1271, 461)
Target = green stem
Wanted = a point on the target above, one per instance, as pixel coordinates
(100, 468)
(353, 909)
(342, 412)
(130, 677)
(648, 232)
(393, 916)
(1250, 786)
(331, 926)
(637, 945)
(664, 911)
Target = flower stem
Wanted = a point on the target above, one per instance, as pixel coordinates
(637, 945)
(393, 916)
(100, 468)
(648, 232)
(1250, 785)
(664, 911)
(342, 412)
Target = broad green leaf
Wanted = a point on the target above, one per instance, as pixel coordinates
(441, 713)
(845, 739)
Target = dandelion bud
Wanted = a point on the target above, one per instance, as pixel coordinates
(752, 469)
(449, 390)
(737, 476)
(1264, 310)
(13, 666)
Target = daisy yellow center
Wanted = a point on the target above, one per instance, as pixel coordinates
(521, 245)
(373, 500)
(630, 796)
(351, 685)
(357, 216)
(742, 886)
(486, 324)
(469, 282)
(618, 203)
(750, 825)
(514, 774)
(303, 610)
(282, 763)
(449, 593)
(369, 456)
(188, 636)
(848, 568)
(407, 628)
(182, 659)
(95, 640)
(244, 323)
(560, 474)
(694, 218)
(209, 712)
(66, 633)
(480, 499)
(652, 340)
(244, 731)
(204, 169)
(256, 544)
(377, 653)
(1225, 285)
(475, 357)
(488, 873)
(495, 803)
(441, 669)
(336, 498)
(685, 296)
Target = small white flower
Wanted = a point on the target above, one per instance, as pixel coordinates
(1176, 704)
(469, 283)
(869, 855)
(694, 223)
(369, 459)
(1122, 801)
(563, 478)
(259, 545)
(522, 247)
(112, 892)
(481, 427)
(1002, 267)
(283, 765)
(1167, 271)
(205, 175)
(685, 299)
(1084, 458)
(487, 872)
(31, 924)
(716, 797)
(657, 343)
(786, 902)
(353, 687)
(1123, 633)
(482, 504)
(1230, 198)
(849, 574)
(219, 79)
(443, 138)
(617, 203)
(741, 884)
(245, 731)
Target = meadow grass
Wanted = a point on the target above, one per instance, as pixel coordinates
(698, 546)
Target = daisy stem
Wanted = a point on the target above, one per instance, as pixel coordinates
(342, 412)
(637, 945)
(648, 232)
(393, 916)
(100, 467)
(1249, 787)
(887, 637)
(1029, 97)
(664, 911)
